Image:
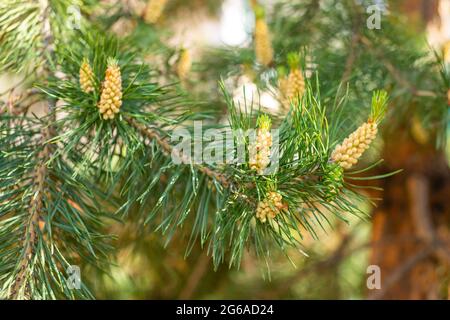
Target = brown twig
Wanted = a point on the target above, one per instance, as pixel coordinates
(400, 272)
(395, 72)
(197, 274)
(153, 134)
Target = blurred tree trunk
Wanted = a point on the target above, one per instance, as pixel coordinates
(414, 214)
(411, 226)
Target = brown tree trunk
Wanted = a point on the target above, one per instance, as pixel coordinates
(411, 225)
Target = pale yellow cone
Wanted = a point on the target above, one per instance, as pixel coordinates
(86, 77)
(351, 149)
(259, 157)
(111, 95)
(263, 45)
(270, 206)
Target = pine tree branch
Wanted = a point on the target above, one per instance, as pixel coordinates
(35, 214)
(396, 74)
(36, 203)
(168, 150)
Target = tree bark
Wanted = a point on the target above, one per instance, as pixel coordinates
(413, 223)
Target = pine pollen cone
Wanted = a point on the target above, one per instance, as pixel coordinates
(111, 96)
(351, 149)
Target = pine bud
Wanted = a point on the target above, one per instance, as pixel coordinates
(154, 10)
(270, 206)
(260, 149)
(184, 64)
(333, 180)
(86, 77)
(348, 153)
(263, 45)
(111, 96)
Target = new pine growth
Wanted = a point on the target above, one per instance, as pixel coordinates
(86, 77)
(263, 45)
(270, 206)
(111, 96)
(351, 149)
(348, 153)
(292, 87)
(260, 149)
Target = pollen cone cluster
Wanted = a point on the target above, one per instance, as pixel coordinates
(86, 77)
(184, 64)
(111, 96)
(270, 206)
(292, 87)
(263, 45)
(351, 149)
(154, 10)
(295, 87)
(260, 149)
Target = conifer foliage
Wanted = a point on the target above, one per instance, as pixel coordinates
(105, 150)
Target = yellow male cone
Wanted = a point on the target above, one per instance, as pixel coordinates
(263, 45)
(86, 77)
(111, 95)
(351, 149)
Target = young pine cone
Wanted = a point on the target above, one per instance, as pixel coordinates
(260, 150)
(111, 96)
(184, 64)
(154, 10)
(270, 206)
(86, 77)
(263, 45)
(351, 149)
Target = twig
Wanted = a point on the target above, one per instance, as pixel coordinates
(350, 59)
(197, 274)
(153, 134)
(395, 72)
(400, 272)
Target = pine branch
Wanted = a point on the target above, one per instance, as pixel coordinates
(35, 217)
(152, 134)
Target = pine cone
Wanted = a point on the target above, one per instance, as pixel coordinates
(263, 45)
(86, 77)
(348, 153)
(154, 10)
(270, 206)
(111, 96)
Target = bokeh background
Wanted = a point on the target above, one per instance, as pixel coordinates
(415, 205)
